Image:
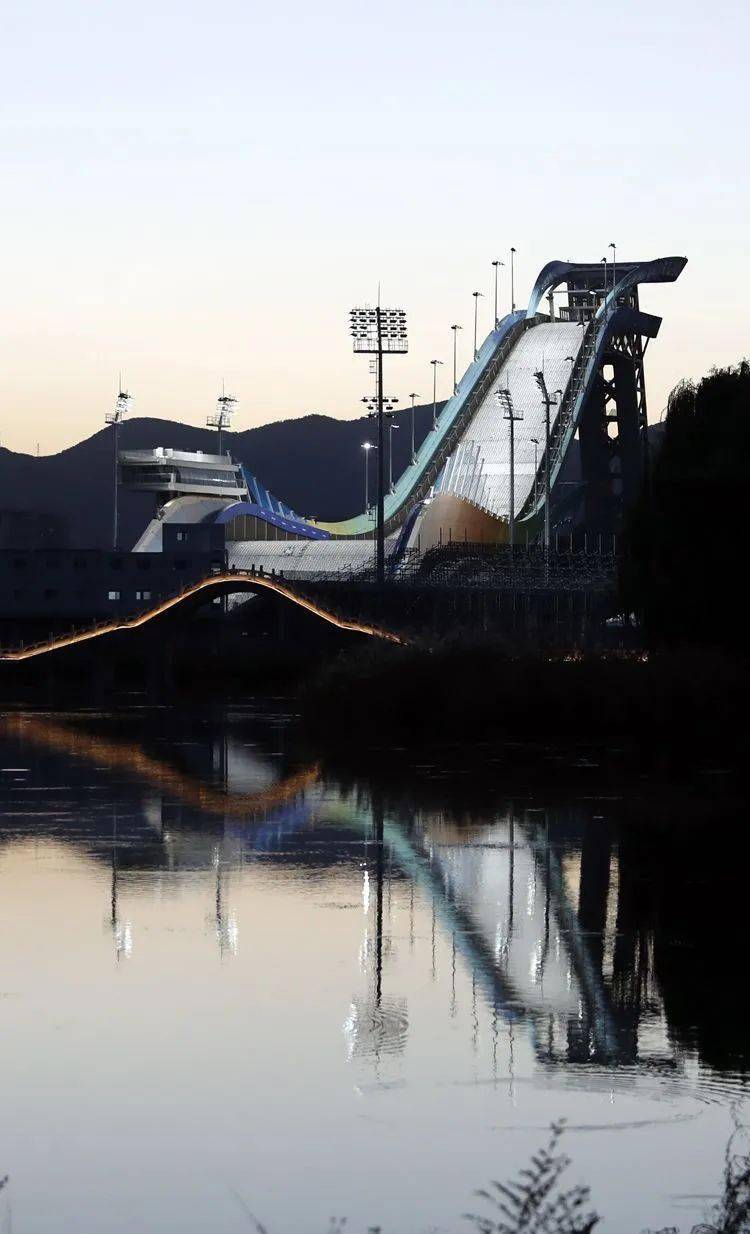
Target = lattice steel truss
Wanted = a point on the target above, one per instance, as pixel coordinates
(613, 428)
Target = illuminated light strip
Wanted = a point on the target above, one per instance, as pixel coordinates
(214, 580)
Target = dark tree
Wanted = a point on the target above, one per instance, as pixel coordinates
(684, 559)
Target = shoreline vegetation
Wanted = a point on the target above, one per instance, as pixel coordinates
(666, 707)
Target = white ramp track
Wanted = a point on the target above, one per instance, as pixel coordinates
(479, 469)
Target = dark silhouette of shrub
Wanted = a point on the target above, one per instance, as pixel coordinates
(535, 1203)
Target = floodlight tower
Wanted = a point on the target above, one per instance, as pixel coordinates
(221, 419)
(549, 400)
(377, 331)
(505, 399)
(115, 418)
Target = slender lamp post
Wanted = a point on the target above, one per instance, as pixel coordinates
(535, 441)
(455, 330)
(613, 247)
(496, 266)
(476, 295)
(367, 447)
(413, 396)
(221, 419)
(377, 331)
(549, 400)
(604, 263)
(512, 280)
(391, 427)
(505, 399)
(115, 418)
(434, 364)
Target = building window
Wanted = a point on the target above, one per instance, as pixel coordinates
(181, 536)
(143, 595)
(113, 595)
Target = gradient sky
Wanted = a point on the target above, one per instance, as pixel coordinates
(194, 192)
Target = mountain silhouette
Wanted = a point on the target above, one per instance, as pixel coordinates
(315, 464)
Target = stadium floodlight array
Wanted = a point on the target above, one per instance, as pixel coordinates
(371, 403)
(379, 329)
(377, 332)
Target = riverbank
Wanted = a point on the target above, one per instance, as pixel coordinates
(679, 707)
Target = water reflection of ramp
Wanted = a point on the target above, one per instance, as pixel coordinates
(513, 892)
(508, 912)
(55, 735)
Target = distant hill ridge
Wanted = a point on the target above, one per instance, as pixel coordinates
(314, 463)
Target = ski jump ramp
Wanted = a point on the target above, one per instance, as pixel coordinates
(576, 353)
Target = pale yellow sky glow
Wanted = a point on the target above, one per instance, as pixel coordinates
(198, 192)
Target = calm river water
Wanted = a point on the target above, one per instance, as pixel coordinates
(232, 984)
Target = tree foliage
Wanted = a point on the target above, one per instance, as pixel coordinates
(684, 557)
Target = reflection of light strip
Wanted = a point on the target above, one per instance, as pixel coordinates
(57, 736)
(253, 581)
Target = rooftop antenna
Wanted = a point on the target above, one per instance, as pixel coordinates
(221, 419)
(115, 418)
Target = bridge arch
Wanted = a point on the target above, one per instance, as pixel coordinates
(213, 585)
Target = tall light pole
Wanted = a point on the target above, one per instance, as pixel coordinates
(477, 295)
(604, 263)
(413, 396)
(614, 265)
(455, 330)
(505, 399)
(535, 441)
(434, 364)
(496, 266)
(367, 446)
(391, 427)
(549, 400)
(512, 280)
(376, 331)
(221, 419)
(115, 418)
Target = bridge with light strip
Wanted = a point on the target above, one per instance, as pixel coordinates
(206, 588)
